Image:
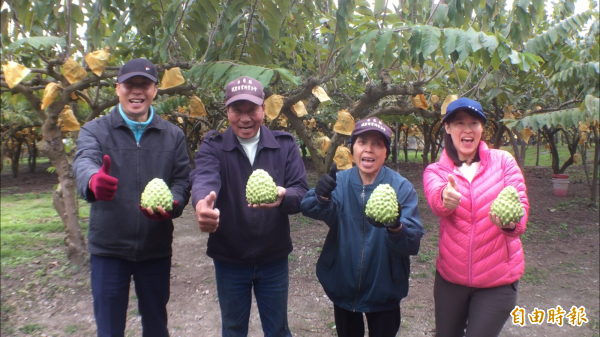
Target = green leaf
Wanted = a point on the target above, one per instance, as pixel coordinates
(118, 31)
(430, 40)
(462, 46)
(37, 42)
(441, 15)
(592, 104)
(496, 60)
(473, 38)
(364, 11)
(383, 40)
(449, 44)
(494, 92)
(379, 7)
(489, 42)
(288, 76)
(265, 77)
(209, 10)
(515, 57)
(218, 70)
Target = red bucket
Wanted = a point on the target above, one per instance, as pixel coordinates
(560, 184)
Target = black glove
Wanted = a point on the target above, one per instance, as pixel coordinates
(326, 183)
(391, 225)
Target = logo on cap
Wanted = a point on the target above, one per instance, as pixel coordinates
(147, 68)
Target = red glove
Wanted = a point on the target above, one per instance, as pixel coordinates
(102, 184)
(158, 216)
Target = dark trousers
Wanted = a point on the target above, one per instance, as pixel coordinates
(270, 282)
(110, 279)
(381, 323)
(481, 311)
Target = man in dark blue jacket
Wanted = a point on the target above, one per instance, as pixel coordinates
(117, 156)
(249, 244)
(365, 265)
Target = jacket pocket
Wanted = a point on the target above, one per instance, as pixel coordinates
(327, 259)
(400, 269)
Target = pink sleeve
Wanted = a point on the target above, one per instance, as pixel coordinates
(434, 181)
(514, 177)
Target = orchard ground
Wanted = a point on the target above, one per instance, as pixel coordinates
(43, 295)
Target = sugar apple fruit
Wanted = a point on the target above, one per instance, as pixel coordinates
(261, 188)
(383, 204)
(156, 194)
(507, 206)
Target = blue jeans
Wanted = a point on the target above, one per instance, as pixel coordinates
(234, 286)
(110, 278)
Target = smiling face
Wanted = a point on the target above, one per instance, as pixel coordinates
(245, 118)
(136, 95)
(369, 152)
(465, 131)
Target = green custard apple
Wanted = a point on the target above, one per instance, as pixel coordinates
(157, 193)
(383, 204)
(261, 188)
(507, 206)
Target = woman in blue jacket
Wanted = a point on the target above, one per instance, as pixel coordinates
(365, 265)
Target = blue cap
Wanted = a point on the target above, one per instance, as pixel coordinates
(464, 104)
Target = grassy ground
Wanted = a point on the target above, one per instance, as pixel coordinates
(31, 228)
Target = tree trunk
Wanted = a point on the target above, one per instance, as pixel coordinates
(405, 147)
(498, 140)
(395, 146)
(515, 147)
(16, 159)
(537, 154)
(31, 161)
(594, 187)
(65, 198)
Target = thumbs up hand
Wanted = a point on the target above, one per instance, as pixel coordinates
(208, 216)
(327, 183)
(102, 184)
(450, 195)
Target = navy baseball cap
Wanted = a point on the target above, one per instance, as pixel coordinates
(137, 67)
(245, 89)
(467, 105)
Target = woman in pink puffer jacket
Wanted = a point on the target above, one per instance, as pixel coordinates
(480, 259)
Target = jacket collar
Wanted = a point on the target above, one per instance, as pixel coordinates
(267, 139)
(483, 156)
(356, 179)
(116, 120)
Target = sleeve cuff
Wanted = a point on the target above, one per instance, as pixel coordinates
(397, 237)
(322, 200)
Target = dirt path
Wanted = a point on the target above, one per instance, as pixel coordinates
(562, 268)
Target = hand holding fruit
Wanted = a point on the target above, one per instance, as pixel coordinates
(102, 184)
(157, 201)
(382, 209)
(450, 195)
(327, 183)
(280, 195)
(208, 216)
(496, 221)
(507, 209)
(161, 214)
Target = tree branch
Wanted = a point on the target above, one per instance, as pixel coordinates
(466, 79)
(213, 32)
(33, 100)
(317, 54)
(185, 7)
(331, 51)
(68, 48)
(248, 30)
